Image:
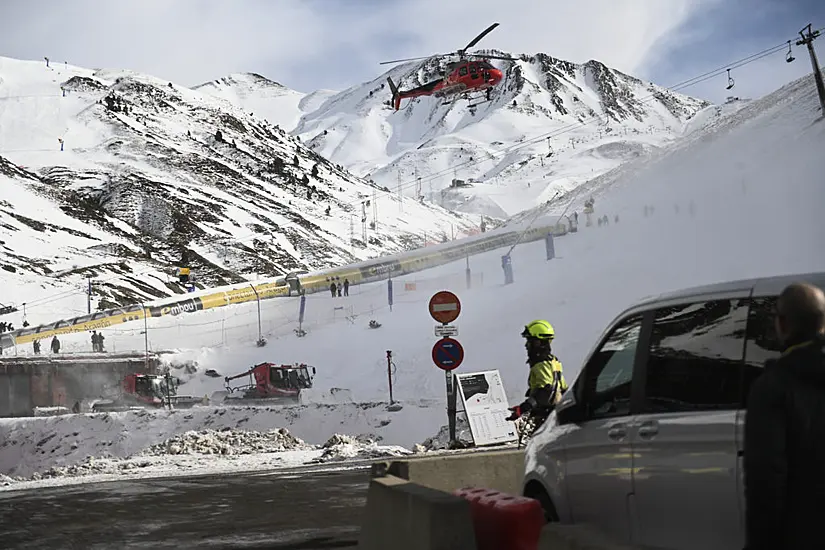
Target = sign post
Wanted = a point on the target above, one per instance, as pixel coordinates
(448, 354)
(301, 310)
(445, 307)
(389, 293)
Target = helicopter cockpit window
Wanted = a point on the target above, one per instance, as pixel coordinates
(463, 71)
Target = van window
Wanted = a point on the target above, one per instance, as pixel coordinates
(609, 374)
(695, 357)
(762, 343)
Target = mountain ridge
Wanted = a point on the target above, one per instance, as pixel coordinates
(577, 106)
(149, 169)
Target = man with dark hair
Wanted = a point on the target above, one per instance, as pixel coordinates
(785, 430)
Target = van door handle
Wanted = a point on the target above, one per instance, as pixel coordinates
(648, 428)
(617, 431)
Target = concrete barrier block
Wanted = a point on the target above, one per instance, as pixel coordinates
(556, 536)
(498, 470)
(401, 515)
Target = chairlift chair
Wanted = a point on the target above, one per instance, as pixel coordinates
(789, 56)
(731, 82)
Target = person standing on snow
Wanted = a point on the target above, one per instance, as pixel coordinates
(784, 460)
(346, 287)
(546, 381)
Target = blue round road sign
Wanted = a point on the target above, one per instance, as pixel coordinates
(448, 354)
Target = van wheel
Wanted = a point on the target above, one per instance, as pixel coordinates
(536, 491)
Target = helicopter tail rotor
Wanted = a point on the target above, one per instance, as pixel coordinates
(396, 95)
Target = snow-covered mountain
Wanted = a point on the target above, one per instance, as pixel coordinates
(550, 125)
(265, 98)
(112, 174)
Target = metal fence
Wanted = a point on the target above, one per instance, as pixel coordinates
(271, 319)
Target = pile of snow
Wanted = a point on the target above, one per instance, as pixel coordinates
(204, 438)
(90, 466)
(51, 411)
(107, 468)
(346, 447)
(441, 440)
(227, 442)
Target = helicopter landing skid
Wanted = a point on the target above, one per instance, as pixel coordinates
(472, 105)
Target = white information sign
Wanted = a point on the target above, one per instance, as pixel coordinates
(485, 402)
(446, 331)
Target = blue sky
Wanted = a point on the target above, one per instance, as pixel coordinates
(311, 44)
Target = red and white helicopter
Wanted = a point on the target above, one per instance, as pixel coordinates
(472, 73)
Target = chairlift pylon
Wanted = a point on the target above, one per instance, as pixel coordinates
(731, 82)
(789, 56)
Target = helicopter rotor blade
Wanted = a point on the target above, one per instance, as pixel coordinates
(409, 59)
(493, 56)
(475, 40)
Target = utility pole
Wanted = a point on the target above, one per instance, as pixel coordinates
(398, 186)
(808, 40)
(374, 210)
(351, 233)
(364, 221)
(417, 184)
(89, 295)
(389, 373)
(146, 336)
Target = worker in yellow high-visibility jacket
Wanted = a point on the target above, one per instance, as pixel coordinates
(546, 380)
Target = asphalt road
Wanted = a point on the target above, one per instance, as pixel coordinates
(284, 510)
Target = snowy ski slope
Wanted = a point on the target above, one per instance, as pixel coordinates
(745, 176)
(754, 182)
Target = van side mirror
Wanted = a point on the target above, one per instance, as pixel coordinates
(569, 411)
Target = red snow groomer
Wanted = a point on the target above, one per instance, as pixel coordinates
(147, 391)
(270, 384)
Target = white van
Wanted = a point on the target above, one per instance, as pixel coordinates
(646, 445)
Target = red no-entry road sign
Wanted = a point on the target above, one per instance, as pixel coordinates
(448, 354)
(445, 307)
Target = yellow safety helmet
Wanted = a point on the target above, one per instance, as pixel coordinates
(539, 329)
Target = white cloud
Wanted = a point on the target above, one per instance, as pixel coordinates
(620, 33)
(187, 41)
(333, 43)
